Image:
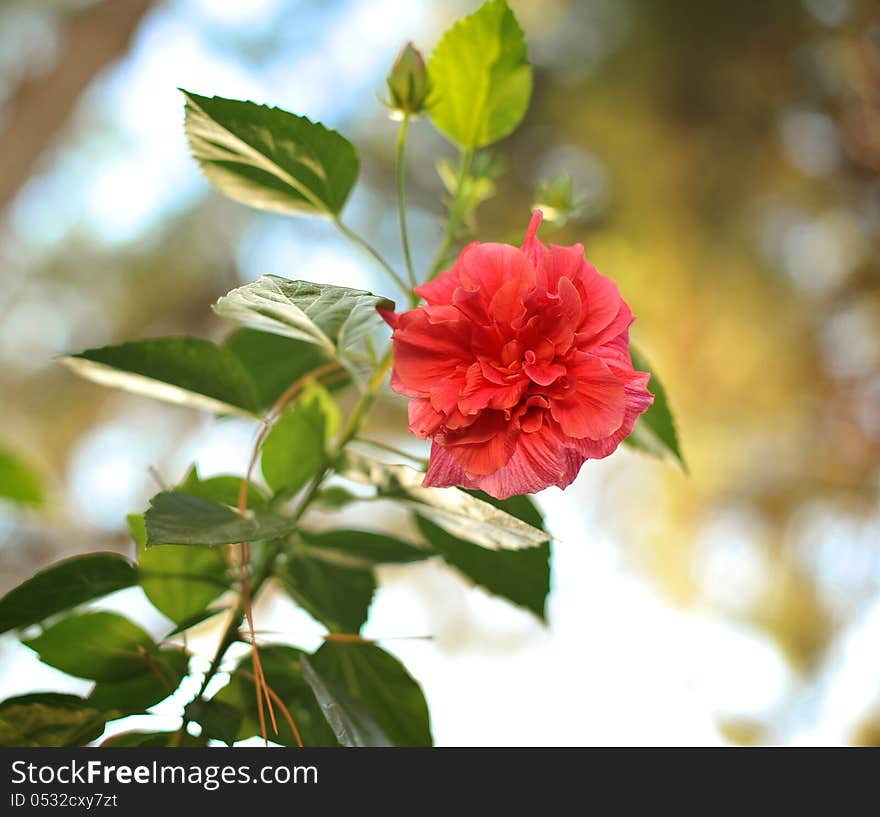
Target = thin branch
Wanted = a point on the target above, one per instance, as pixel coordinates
(401, 203)
(261, 687)
(390, 449)
(230, 635)
(366, 246)
(284, 710)
(453, 221)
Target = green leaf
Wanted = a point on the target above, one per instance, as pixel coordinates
(175, 518)
(181, 582)
(468, 192)
(522, 576)
(137, 528)
(223, 489)
(383, 686)
(99, 645)
(523, 507)
(364, 547)
(165, 671)
(153, 739)
(49, 719)
(481, 78)
(655, 430)
(281, 666)
(330, 317)
(275, 362)
(315, 395)
(187, 371)
(350, 720)
(195, 620)
(64, 585)
(18, 481)
(453, 509)
(339, 597)
(268, 158)
(219, 719)
(294, 450)
(334, 497)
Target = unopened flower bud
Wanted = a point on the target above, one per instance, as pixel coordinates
(408, 81)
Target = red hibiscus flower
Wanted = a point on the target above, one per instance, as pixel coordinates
(518, 366)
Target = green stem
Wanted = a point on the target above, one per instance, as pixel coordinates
(453, 221)
(401, 203)
(390, 449)
(355, 421)
(358, 415)
(365, 245)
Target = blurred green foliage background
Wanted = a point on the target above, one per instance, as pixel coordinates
(725, 157)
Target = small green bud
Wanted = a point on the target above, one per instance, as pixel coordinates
(408, 82)
(556, 199)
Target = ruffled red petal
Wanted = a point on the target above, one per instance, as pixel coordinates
(518, 366)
